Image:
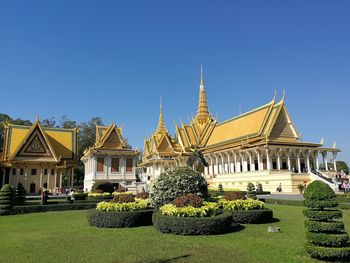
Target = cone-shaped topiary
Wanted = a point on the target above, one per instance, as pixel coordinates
(327, 239)
(220, 190)
(251, 193)
(177, 182)
(20, 194)
(6, 199)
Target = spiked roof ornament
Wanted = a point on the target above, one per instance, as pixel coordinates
(203, 112)
(161, 125)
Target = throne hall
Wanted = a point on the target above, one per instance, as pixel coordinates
(259, 146)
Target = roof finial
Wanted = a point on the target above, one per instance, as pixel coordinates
(275, 95)
(284, 94)
(37, 118)
(202, 77)
(161, 125)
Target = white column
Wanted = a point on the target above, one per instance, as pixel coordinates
(235, 162)
(268, 163)
(335, 161)
(325, 160)
(61, 178)
(48, 179)
(260, 164)
(216, 168)
(298, 161)
(289, 153)
(250, 161)
(228, 162)
(308, 161)
(244, 163)
(222, 164)
(55, 184)
(278, 162)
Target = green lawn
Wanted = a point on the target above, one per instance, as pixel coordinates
(66, 237)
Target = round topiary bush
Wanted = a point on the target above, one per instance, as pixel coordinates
(127, 198)
(7, 198)
(176, 182)
(118, 219)
(215, 225)
(327, 239)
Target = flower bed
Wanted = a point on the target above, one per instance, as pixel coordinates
(127, 214)
(206, 210)
(106, 195)
(212, 225)
(247, 211)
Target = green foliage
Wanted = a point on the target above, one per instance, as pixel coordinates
(342, 166)
(220, 190)
(243, 205)
(7, 198)
(207, 209)
(176, 182)
(105, 187)
(259, 188)
(252, 216)
(301, 188)
(52, 207)
(123, 198)
(219, 224)
(251, 191)
(234, 196)
(99, 195)
(188, 200)
(138, 204)
(120, 219)
(326, 238)
(319, 191)
(197, 161)
(20, 194)
(324, 227)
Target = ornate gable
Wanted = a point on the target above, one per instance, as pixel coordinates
(112, 138)
(283, 127)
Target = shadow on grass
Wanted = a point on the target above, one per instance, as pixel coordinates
(169, 260)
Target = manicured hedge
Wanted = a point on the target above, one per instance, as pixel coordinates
(219, 224)
(252, 216)
(329, 253)
(320, 205)
(327, 239)
(48, 208)
(323, 215)
(325, 227)
(112, 219)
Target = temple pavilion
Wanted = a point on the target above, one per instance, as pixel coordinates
(259, 146)
(38, 156)
(110, 160)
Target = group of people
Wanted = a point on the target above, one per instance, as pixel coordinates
(341, 182)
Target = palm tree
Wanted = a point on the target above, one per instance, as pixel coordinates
(197, 161)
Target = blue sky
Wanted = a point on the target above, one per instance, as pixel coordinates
(115, 59)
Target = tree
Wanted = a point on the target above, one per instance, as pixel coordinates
(327, 239)
(251, 191)
(49, 122)
(342, 166)
(67, 123)
(197, 161)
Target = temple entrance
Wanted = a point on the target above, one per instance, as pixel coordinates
(284, 164)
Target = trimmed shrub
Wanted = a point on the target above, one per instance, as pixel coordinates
(324, 227)
(206, 210)
(252, 216)
(123, 199)
(7, 197)
(105, 187)
(234, 196)
(326, 238)
(239, 204)
(49, 208)
(188, 200)
(220, 190)
(112, 219)
(142, 195)
(139, 204)
(219, 224)
(251, 191)
(176, 182)
(20, 195)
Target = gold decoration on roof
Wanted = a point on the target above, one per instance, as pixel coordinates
(203, 111)
(161, 125)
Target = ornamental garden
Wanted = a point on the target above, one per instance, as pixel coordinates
(180, 204)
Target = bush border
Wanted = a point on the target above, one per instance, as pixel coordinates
(257, 216)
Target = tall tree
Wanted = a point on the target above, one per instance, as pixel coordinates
(342, 166)
(197, 161)
(67, 123)
(49, 122)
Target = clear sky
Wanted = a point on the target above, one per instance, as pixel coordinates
(115, 59)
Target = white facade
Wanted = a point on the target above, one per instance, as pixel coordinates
(122, 176)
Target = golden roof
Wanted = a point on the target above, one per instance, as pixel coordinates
(38, 143)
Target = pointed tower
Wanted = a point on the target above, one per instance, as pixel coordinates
(161, 125)
(203, 112)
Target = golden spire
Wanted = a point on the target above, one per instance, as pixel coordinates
(203, 111)
(161, 125)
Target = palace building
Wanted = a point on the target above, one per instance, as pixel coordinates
(110, 160)
(38, 156)
(260, 146)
